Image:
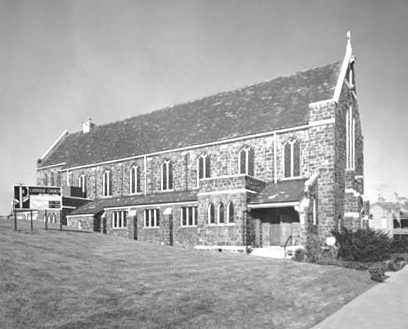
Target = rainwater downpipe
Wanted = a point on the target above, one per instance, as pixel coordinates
(275, 169)
(145, 175)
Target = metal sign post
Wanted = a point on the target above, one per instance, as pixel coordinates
(15, 220)
(31, 219)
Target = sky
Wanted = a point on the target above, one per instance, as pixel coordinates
(64, 61)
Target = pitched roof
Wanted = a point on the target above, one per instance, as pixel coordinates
(98, 205)
(283, 191)
(262, 107)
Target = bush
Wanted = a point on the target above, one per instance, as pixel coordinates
(300, 255)
(345, 264)
(399, 244)
(363, 245)
(313, 248)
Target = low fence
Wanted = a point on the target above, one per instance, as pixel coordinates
(27, 224)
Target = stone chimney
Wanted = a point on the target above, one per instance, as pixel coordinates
(87, 126)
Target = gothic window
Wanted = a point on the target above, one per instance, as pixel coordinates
(211, 214)
(134, 180)
(230, 213)
(246, 161)
(221, 214)
(203, 167)
(82, 183)
(167, 176)
(107, 183)
(291, 159)
(350, 139)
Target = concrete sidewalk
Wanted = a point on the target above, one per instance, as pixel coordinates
(384, 306)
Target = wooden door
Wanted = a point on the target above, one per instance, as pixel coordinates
(275, 234)
(286, 229)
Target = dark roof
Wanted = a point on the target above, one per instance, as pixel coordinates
(283, 191)
(262, 107)
(99, 205)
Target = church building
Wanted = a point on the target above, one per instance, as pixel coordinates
(258, 165)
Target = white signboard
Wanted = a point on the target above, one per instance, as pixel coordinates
(37, 197)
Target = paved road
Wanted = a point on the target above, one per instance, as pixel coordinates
(384, 306)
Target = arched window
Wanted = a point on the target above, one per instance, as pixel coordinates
(246, 161)
(230, 213)
(45, 179)
(134, 183)
(291, 159)
(82, 183)
(211, 214)
(203, 167)
(167, 176)
(52, 179)
(107, 183)
(350, 139)
(220, 212)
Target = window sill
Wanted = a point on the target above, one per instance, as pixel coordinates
(188, 226)
(119, 228)
(221, 225)
(137, 193)
(154, 227)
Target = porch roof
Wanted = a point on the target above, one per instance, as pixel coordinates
(99, 205)
(284, 191)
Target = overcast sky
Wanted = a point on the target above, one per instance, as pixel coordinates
(63, 61)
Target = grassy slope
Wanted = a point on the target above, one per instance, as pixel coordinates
(71, 280)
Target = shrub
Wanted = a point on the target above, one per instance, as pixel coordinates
(399, 244)
(363, 245)
(377, 272)
(300, 255)
(313, 248)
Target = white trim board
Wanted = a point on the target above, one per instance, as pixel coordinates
(274, 205)
(54, 144)
(242, 190)
(150, 205)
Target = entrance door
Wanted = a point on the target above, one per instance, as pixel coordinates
(286, 228)
(275, 234)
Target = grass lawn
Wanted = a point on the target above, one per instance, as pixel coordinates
(52, 279)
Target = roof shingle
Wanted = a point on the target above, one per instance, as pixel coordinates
(98, 205)
(262, 107)
(283, 191)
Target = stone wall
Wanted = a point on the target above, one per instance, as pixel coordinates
(224, 162)
(322, 159)
(87, 223)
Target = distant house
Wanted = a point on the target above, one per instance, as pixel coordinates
(391, 217)
(254, 165)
